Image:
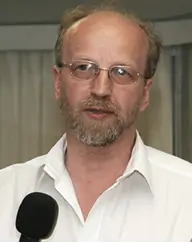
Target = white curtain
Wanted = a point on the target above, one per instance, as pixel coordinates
(155, 124)
(190, 103)
(29, 115)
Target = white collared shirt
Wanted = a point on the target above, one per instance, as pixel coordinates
(151, 201)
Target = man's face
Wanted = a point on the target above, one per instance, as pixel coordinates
(97, 112)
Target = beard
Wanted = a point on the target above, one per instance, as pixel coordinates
(95, 132)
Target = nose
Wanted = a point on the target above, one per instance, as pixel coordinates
(102, 84)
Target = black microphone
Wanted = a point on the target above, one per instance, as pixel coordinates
(36, 217)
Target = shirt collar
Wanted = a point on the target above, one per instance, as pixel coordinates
(55, 159)
(139, 162)
(55, 166)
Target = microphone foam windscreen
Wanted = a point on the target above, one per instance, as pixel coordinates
(37, 215)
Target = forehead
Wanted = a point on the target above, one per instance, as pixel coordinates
(105, 33)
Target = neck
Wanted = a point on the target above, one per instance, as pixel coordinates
(92, 163)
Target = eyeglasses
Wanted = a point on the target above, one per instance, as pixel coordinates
(88, 71)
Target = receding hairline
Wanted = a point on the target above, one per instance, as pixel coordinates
(104, 14)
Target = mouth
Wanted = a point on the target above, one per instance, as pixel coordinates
(98, 112)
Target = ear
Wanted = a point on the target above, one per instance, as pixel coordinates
(57, 82)
(146, 95)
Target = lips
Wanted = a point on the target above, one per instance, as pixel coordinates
(98, 110)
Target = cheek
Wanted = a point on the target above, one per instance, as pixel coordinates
(127, 99)
(75, 91)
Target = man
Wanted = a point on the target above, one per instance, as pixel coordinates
(109, 186)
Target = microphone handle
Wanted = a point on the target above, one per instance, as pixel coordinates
(24, 238)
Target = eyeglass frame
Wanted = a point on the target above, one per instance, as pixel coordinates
(69, 65)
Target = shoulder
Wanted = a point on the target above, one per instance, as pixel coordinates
(32, 164)
(168, 162)
(172, 184)
(24, 176)
(20, 176)
(171, 175)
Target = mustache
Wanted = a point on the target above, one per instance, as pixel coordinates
(103, 103)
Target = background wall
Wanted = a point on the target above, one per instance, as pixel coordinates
(49, 11)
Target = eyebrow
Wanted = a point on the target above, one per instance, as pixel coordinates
(94, 61)
(84, 59)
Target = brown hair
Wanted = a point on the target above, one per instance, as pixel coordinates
(80, 12)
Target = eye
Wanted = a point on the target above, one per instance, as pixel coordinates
(124, 72)
(120, 71)
(123, 75)
(82, 67)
